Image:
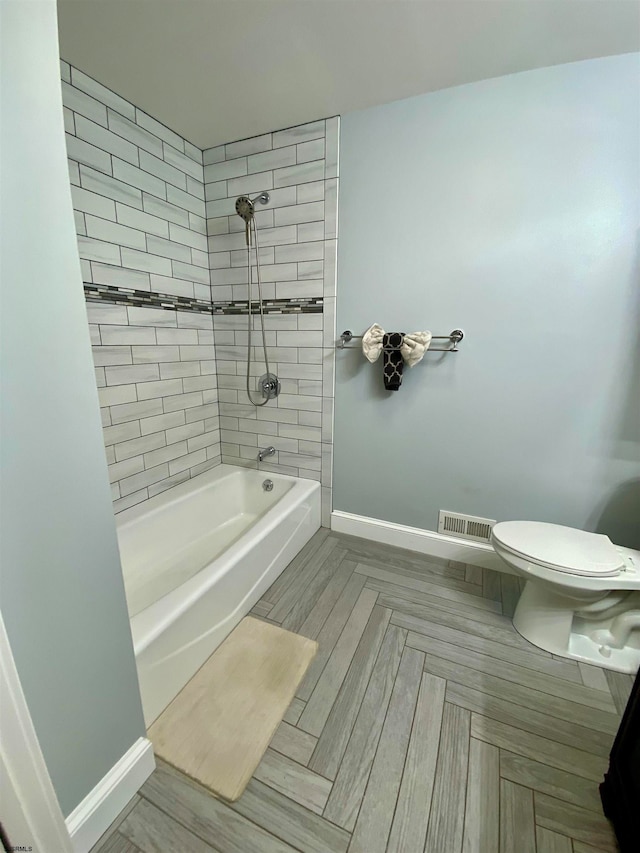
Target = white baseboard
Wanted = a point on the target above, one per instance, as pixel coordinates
(93, 816)
(415, 539)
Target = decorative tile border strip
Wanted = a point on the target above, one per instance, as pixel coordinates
(151, 299)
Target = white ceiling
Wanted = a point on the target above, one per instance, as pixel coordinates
(220, 70)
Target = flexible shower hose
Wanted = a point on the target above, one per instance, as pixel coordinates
(250, 320)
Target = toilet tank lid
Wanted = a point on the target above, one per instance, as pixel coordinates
(564, 548)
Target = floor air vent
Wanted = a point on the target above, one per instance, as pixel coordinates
(465, 526)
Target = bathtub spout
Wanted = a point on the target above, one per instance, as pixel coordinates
(264, 452)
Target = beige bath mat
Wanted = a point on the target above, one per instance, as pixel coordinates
(217, 728)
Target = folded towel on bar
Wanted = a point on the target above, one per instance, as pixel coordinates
(414, 344)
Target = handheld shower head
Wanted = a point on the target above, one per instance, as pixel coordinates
(245, 206)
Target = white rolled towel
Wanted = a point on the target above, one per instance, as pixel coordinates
(413, 348)
(372, 342)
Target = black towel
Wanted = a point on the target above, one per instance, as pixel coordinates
(392, 360)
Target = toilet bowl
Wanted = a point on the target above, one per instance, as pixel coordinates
(582, 596)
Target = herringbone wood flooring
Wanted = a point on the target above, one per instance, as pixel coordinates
(425, 723)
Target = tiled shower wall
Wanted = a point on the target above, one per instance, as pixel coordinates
(298, 241)
(172, 403)
(138, 196)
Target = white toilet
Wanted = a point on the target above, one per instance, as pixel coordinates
(582, 596)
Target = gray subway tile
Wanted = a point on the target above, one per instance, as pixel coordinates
(90, 202)
(185, 200)
(179, 370)
(138, 178)
(162, 388)
(78, 101)
(165, 210)
(117, 395)
(312, 191)
(168, 483)
(142, 221)
(106, 140)
(186, 431)
(200, 258)
(250, 184)
(225, 169)
(310, 150)
(104, 355)
(168, 249)
(177, 336)
(299, 213)
(146, 262)
(130, 500)
(215, 190)
(126, 468)
(191, 272)
(159, 129)
(145, 478)
(299, 133)
(300, 252)
(110, 187)
(88, 155)
(274, 159)
(133, 373)
(154, 354)
(243, 147)
(107, 314)
(206, 439)
(136, 446)
(139, 316)
(173, 286)
(209, 410)
(91, 249)
(220, 207)
(124, 334)
(187, 461)
(164, 454)
(188, 237)
(195, 188)
(129, 130)
(181, 402)
(300, 401)
(311, 231)
(198, 223)
(183, 163)
(101, 93)
(213, 155)
(162, 170)
(300, 339)
(112, 232)
(167, 420)
(121, 433)
(193, 152)
(134, 411)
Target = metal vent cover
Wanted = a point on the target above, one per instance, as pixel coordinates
(465, 526)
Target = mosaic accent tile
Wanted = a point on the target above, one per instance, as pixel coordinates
(151, 299)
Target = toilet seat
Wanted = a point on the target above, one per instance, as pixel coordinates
(559, 548)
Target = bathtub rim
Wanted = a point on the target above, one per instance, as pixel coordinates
(150, 623)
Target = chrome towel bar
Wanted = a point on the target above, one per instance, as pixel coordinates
(454, 339)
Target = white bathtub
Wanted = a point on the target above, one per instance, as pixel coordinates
(195, 560)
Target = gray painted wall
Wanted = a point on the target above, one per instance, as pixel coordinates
(507, 208)
(62, 592)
